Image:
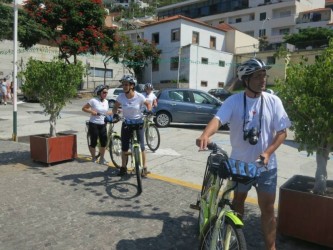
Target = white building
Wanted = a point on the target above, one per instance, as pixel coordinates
(205, 53)
(127, 3)
(257, 18)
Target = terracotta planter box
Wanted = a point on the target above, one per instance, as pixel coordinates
(53, 149)
(305, 215)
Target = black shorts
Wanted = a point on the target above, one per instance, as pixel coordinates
(126, 134)
(97, 131)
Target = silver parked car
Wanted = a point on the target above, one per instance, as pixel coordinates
(185, 106)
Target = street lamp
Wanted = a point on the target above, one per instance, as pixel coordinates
(14, 135)
(262, 26)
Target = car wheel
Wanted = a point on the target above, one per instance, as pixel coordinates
(163, 119)
(111, 103)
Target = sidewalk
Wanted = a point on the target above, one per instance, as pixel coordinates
(83, 205)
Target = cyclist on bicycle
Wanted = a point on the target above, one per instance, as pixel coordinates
(131, 103)
(258, 124)
(150, 96)
(98, 108)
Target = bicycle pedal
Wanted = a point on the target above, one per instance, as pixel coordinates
(195, 206)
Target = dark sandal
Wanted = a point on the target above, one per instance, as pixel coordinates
(122, 171)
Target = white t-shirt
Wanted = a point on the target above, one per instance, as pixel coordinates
(274, 118)
(99, 107)
(150, 98)
(131, 108)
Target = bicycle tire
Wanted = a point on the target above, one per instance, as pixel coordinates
(97, 153)
(153, 137)
(115, 150)
(237, 238)
(137, 160)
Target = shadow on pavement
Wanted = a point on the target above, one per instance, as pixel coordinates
(177, 232)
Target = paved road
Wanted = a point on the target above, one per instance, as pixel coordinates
(82, 205)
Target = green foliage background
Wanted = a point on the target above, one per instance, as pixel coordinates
(308, 98)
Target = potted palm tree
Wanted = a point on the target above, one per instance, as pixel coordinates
(54, 84)
(306, 202)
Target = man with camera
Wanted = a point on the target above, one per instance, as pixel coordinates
(258, 124)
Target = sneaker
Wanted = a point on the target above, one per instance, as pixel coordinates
(122, 171)
(5, 103)
(102, 161)
(93, 159)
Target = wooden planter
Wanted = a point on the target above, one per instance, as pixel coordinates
(53, 149)
(305, 215)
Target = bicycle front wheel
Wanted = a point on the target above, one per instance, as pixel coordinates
(115, 150)
(137, 159)
(229, 236)
(153, 138)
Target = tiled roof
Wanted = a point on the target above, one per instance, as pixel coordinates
(173, 18)
(225, 26)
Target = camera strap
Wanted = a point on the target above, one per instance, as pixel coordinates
(260, 112)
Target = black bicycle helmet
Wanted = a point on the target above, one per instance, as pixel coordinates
(129, 78)
(148, 85)
(251, 66)
(99, 89)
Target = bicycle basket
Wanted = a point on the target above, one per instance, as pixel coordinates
(108, 119)
(219, 165)
(241, 171)
(134, 123)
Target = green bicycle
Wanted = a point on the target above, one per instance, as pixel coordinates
(219, 225)
(135, 149)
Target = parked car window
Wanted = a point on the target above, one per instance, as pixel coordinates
(176, 95)
(203, 98)
(118, 91)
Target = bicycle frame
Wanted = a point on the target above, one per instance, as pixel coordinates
(135, 144)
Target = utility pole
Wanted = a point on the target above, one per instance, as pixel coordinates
(14, 135)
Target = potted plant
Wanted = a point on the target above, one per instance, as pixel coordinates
(306, 203)
(54, 84)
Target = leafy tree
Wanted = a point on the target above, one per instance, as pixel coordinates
(54, 83)
(6, 21)
(263, 43)
(308, 98)
(314, 37)
(133, 56)
(74, 26)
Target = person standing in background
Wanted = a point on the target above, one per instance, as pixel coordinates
(4, 90)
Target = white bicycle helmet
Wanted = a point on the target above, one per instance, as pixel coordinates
(128, 78)
(148, 85)
(99, 89)
(251, 66)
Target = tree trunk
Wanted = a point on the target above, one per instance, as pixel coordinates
(321, 172)
(53, 121)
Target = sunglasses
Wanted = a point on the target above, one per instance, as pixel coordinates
(104, 92)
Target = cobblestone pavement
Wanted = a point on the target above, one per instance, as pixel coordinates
(83, 205)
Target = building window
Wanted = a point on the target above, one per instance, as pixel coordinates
(284, 31)
(99, 72)
(155, 38)
(212, 43)
(238, 20)
(204, 60)
(262, 16)
(204, 84)
(174, 63)
(270, 60)
(155, 66)
(175, 35)
(222, 63)
(262, 32)
(195, 37)
(220, 84)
